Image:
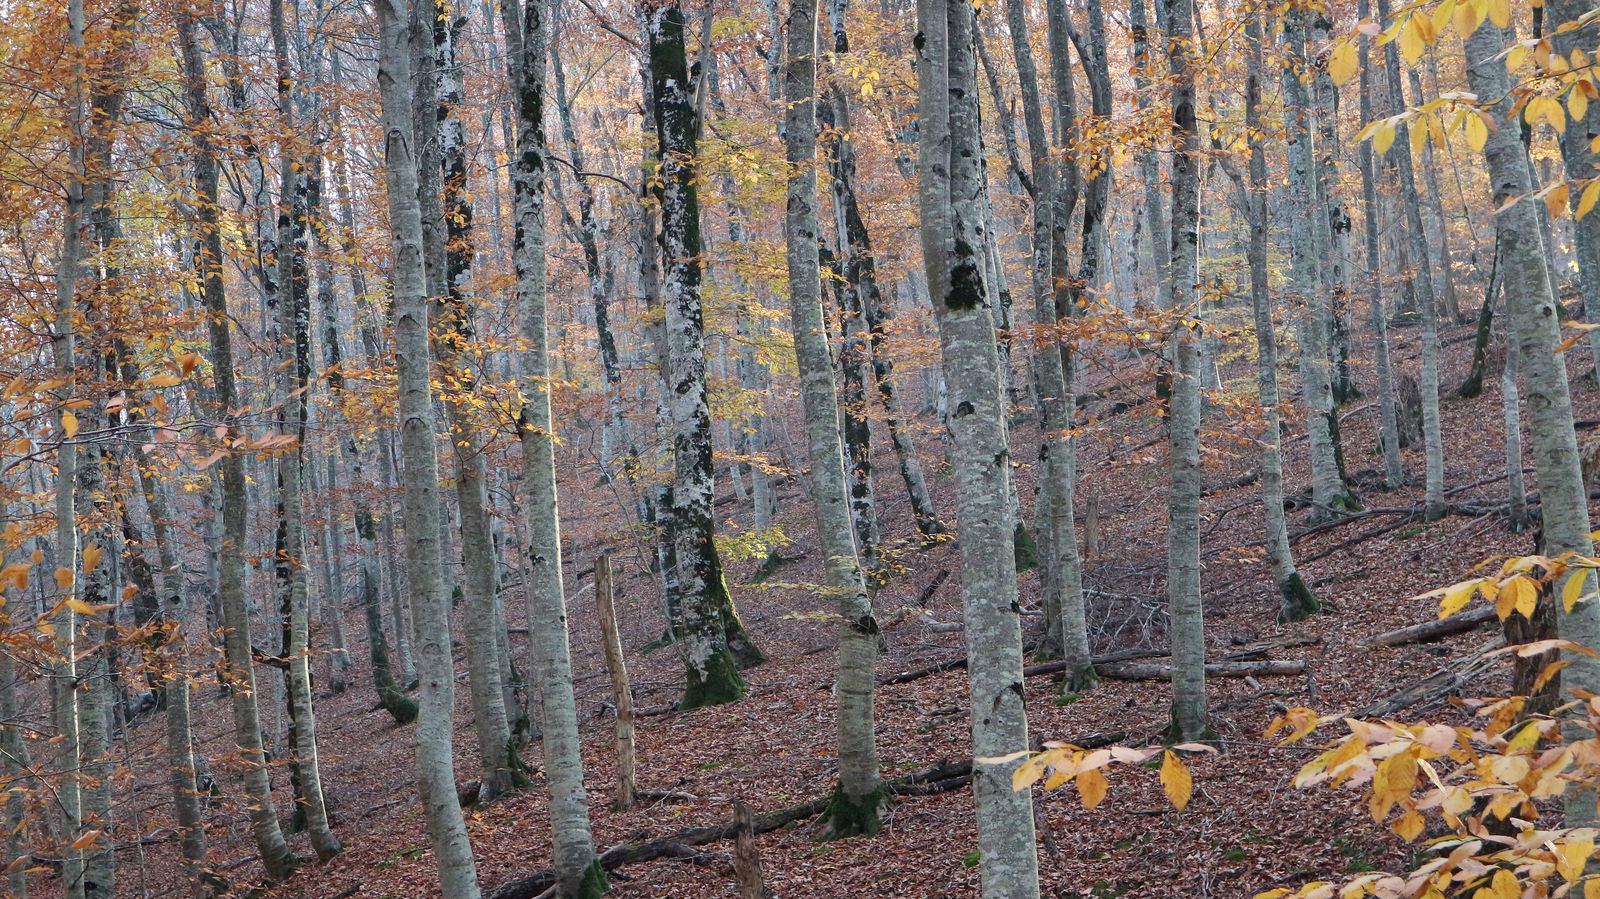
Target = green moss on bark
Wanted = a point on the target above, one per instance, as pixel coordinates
(1080, 680)
(861, 817)
(595, 883)
(1299, 603)
(719, 683)
(1025, 550)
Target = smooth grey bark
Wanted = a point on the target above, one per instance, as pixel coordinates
(457, 871)
(1580, 161)
(278, 860)
(459, 381)
(1297, 599)
(1061, 575)
(15, 849)
(1389, 434)
(1511, 407)
(1308, 234)
(858, 801)
(1145, 69)
(580, 872)
(1417, 246)
(1184, 609)
(64, 338)
(1563, 498)
(711, 634)
(1439, 233)
(294, 352)
(950, 196)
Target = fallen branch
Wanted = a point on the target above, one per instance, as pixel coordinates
(1459, 623)
(1435, 686)
(1242, 654)
(1141, 671)
(940, 778)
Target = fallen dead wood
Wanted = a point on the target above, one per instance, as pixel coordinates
(1435, 686)
(1243, 654)
(1459, 623)
(958, 662)
(1145, 671)
(940, 778)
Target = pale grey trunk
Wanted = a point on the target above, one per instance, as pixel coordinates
(14, 769)
(1297, 600)
(1184, 610)
(950, 194)
(1417, 246)
(579, 872)
(1580, 160)
(399, 590)
(1146, 68)
(294, 353)
(460, 380)
(1563, 499)
(457, 871)
(1389, 434)
(1510, 402)
(860, 794)
(278, 860)
(1307, 237)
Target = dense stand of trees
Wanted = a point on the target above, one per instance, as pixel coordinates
(289, 335)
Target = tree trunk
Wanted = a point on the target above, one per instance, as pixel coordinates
(1309, 249)
(949, 186)
(1189, 714)
(859, 798)
(1389, 433)
(580, 874)
(1563, 498)
(1417, 244)
(1578, 154)
(1297, 599)
(711, 632)
(457, 871)
(278, 860)
(498, 775)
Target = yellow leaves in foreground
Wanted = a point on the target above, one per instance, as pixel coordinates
(1516, 588)
(69, 424)
(1343, 63)
(1065, 763)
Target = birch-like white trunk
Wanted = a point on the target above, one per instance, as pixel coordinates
(457, 871)
(857, 802)
(950, 196)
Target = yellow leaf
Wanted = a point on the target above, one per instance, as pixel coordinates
(1442, 14)
(69, 424)
(1549, 671)
(86, 840)
(1556, 200)
(1409, 826)
(1591, 889)
(1456, 598)
(165, 379)
(14, 576)
(1573, 589)
(1588, 198)
(1343, 64)
(79, 606)
(1383, 138)
(1515, 59)
(1573, 857)
(1505, 885)
(1477, 132)
(1500, 13)
(1419, 138)
(1577, 104)
(64, 578)
(1412, 41)
(91, 556)
(1092, 787)
(1176, 780)
(1468, 17)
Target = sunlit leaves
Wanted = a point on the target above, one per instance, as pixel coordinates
(1176, 781)
(1061, 764)
(1343, 63)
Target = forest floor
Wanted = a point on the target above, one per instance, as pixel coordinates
(1246, 830)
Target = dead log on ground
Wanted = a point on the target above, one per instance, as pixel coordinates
(1144, 671)
(1459, 623)
(940, 778)
(1435, 686)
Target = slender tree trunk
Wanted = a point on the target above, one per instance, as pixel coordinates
(1578, 153)
(294, 325)
(1389, 434)
(278, 860)
(1417, 243)
(859, 798)
(1308, 239)
(1184, 610)
(1563, 499)
(460, 381)
(580, 872)
(950, 191)
(1298, 600)
(458, 876)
